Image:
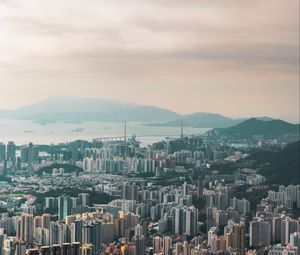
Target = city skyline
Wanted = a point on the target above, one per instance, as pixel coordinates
(160, 127)
(239, 59)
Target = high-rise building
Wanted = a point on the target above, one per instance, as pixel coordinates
(64, 207)
(20, 248)
(51, 202)
(24, 228)
(177, 221)
(167, 244)
(191, 221)
(260, 232)
(76, 231)
(46, 220)
(157, 244)
(241, 205)
(42, 236)
(139, 241)
(288, 226)
(185, 189)
(235, 237)
(295, 241)
(54, 233)
(84, 199)
(185, 220)
(129, 191)
(2, 152)
(276, 229)
(186, 248)
(29, 153)
(200, 186)
(11, 151)
(178, 249)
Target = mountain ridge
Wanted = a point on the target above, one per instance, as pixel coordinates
(87, 109)
(80, 109)
(255, 127)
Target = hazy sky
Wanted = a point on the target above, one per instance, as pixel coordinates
(238, 58)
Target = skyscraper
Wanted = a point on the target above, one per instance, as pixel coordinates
(11, 151)
(84, 199)
(167, 244)
(76, 231)
(235, 237)
(185, 220)
(157, 244)
(46, 220)
(24, 228)
(29, 154)
(20, 248)
(139, 241)
(200, 186)
(2, 152)
(129, 191)
(64, 207)
(260, 233)
(295, 241)
(288, 226)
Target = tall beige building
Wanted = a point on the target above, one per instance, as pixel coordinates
(24, 228)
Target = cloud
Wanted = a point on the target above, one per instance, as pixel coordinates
(179, 45)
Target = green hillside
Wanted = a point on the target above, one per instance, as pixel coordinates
(282, 167)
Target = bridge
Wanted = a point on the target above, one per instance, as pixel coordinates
(123, 138)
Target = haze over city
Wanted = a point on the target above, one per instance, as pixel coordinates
(155, 127)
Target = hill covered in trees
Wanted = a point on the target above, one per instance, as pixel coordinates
(280, 167)
(67, 167)
(257, 127)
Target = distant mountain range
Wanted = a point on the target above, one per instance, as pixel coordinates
(199, 119)
(203, 120)
(77, 109)
(257, 127)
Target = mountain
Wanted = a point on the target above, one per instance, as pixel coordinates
(204, 120)
(282, 167)
(200, 120)
(88, 109)
(256, 127)
(78, 109)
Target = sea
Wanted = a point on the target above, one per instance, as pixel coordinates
(25, 131)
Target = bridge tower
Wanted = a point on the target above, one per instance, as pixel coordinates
(125, 139)
(181, 131)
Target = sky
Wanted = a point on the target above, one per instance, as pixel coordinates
(233, 57)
